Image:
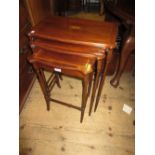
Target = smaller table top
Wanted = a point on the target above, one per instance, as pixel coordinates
(63, 61)
(73, 49)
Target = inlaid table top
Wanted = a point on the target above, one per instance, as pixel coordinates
(77, 31)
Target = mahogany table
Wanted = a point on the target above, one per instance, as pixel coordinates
(67, 64)
(94, 37)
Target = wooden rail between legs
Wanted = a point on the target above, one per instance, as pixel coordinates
(65, 104)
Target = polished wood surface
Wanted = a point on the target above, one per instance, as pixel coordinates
(62, 47)
(78, 50)
(54, 59)
(124, 11)
(38, 10)
(26, 75)
(77, 31)
(128, 48)
(71, 65)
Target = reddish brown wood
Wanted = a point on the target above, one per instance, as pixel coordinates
(124, 11)
(104, 69)
(75, 50)
(38, 10)
(26, 75)
(128, 48)
(71, 65)
(77, 31)
(78, 36)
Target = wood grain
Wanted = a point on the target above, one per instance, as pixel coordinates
(38, 10)
(109, 131)
(89, 32)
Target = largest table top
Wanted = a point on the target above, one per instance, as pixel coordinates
(78, 31)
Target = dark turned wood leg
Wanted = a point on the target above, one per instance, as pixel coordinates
(95, 85)
(125, 53)
(84, 97)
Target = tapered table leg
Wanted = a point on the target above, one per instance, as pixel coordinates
(43, 86)
(95, 85)
(84, 97)
(103, 76)
(90, 83)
